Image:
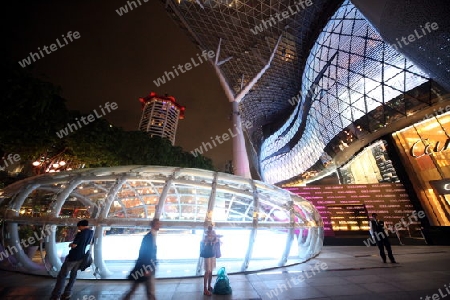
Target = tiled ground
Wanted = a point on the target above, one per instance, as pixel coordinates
(347, 273)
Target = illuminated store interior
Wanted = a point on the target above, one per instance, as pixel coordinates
(425, 152)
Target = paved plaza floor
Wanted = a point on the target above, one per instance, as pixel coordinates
(339, 272)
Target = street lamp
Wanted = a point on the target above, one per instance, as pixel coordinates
(48, 163)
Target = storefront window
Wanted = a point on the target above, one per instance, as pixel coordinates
(425, 149)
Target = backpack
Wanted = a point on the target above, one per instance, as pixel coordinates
(222, 285)
(87, 260)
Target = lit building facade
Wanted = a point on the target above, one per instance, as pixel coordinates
(120, 202)
(357, 88)
(336, 93)
(354, 84)
(160, 115)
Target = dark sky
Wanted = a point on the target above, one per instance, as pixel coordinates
(116, 59)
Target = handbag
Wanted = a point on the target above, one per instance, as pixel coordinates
(206, 250)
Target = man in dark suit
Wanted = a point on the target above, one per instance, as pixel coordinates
(380, 236)
(145, 267)
(73, 259)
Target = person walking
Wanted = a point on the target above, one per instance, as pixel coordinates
(145, 267)
(209, 258)
(72, 262)
(380, 236)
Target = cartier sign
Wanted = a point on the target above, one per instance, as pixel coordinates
(441, 186)
(431, 147)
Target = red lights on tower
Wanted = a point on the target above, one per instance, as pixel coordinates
(160, 115)
(166, 97)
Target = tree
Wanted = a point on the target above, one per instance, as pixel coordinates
(33, 111)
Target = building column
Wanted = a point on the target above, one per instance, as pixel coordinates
(241, 165)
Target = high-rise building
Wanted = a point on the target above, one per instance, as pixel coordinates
(160, 115)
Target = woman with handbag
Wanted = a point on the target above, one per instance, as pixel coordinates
(207, 251)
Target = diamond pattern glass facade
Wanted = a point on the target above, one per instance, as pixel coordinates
(350, 73)
(332, 79)
(206, 22)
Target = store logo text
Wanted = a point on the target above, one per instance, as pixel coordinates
(428, 149)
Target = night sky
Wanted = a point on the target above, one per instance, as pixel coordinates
(116, 59)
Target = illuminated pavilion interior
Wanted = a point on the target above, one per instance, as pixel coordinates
(120, 201)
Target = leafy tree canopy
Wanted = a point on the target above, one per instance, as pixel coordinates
(32, 111)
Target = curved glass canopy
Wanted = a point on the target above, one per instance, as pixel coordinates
(352, 83)
(261, 225)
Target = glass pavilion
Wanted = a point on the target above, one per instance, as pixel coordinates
(261, 225)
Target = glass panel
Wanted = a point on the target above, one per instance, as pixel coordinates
(264, 256)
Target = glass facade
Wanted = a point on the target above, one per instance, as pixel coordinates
(353, 83)
(262, 225)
